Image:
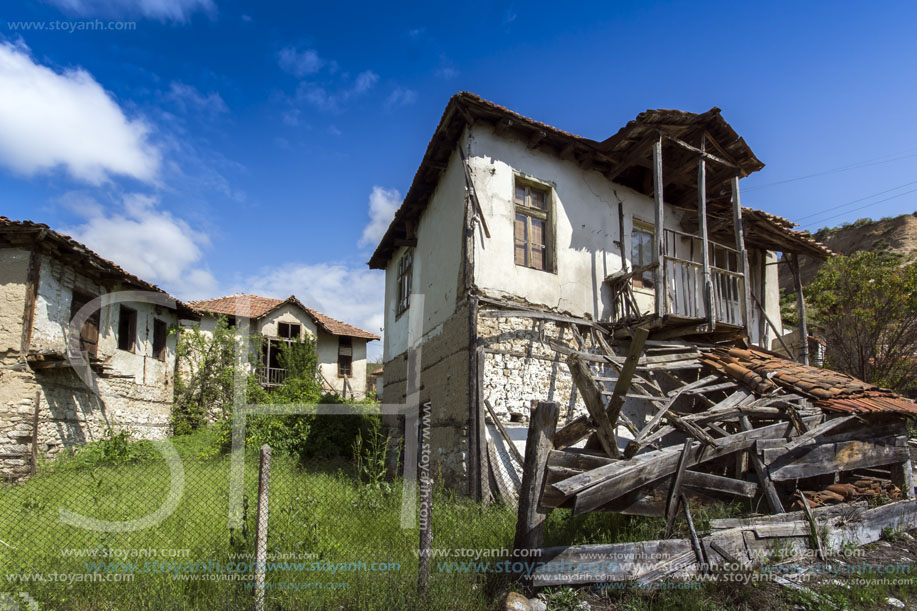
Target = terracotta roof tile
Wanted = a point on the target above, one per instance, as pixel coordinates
(255, 306)
(831, 390)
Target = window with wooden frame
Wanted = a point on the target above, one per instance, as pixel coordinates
(345, 357)
(642, 245)
(289, 330)
(160, 333)
(127, 329)
(532, 227)
(405, 271)
(89, 331)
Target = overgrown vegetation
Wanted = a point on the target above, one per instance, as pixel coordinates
(867, 305)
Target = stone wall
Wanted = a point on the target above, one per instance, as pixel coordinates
(521, 366)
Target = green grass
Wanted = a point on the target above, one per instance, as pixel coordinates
(318, 509)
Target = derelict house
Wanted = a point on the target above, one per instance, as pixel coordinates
(620, 279)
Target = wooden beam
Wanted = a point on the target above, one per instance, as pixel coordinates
(843, 456)
(538, 445)
(573, 431)
(764, 475)
(509, 442)
(773, 327)
(743, 254)
(702, 153)
(535, 139)
(637, 153)
(705, 244)
(802, 326)
(626, 375)
(31, 297)
(821, 429)
(592, 397)
(659, 246)
(671, 508)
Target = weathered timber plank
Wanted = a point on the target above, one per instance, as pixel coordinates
(764, 475)
(592, 397)
(601, 485)
(833, 457)
(573, 431)
(509, 442)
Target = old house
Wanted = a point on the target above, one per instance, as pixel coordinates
(519, 244)
(47, 279)
(340, 348)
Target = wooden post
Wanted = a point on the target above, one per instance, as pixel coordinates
(770, 323)
(902, 475)
(743, 254)
(702, 223)
(658, 235)
(426, 510)
(264, 484)
(671, 508)
(35, 432)
(764, 476)
(803, 326)
(538, 444)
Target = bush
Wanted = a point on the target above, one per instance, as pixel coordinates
(113, 449)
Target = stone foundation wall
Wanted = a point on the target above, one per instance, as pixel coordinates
(521, 366)
(70, 416)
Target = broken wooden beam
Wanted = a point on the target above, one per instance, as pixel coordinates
(538, 445)
(592, 397)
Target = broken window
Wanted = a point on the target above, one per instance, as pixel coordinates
(642, 243)
(127, 329)
(532, 226)
(289, 330)
(345, 357)
(405, 271)
(160, 332)
(89, 331)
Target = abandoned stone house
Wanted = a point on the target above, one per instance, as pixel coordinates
(516, 239)
(46, 278)
(340, 348)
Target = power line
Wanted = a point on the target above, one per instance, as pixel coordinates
(861, 207)
(855, 201)
(854, 166)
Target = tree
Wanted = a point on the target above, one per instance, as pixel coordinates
(867, 303)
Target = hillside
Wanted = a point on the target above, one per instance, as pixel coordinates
(896, 235)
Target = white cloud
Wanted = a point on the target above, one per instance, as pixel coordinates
(401, 97)
(364, 82)
(300, 63)
(146, 241)
(49, 119)
(382, 206)
(352, 294)
(162, 10)
(187, 97)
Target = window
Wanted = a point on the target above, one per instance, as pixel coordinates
(345, 363)
(405, 271)
(532, 226)
(160, 332)
(89, 332)
(289, 330)
(345, 357)
(127, 329)
(642, 243)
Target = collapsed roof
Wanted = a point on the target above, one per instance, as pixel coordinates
(255, 306)
(625, 158)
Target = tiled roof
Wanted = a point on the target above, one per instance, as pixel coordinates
(255, 306)
(67, 245)
(465, 108)
(764, 372)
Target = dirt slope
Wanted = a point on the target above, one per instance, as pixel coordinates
(894, 235)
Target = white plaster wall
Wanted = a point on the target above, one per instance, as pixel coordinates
(437, 262)
(267, 326)
(327, 352)
(585, 207)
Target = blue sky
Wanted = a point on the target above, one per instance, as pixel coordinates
(218, 146)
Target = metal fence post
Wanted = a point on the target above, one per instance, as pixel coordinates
(264, 484)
